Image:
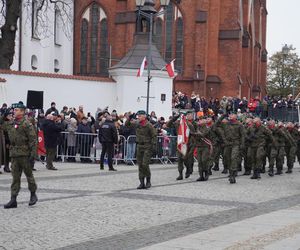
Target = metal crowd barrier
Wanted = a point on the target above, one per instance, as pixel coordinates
(85, 147)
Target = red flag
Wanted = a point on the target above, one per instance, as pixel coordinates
(141, 69)
(183, 136)
(41, 143)
(170, 68)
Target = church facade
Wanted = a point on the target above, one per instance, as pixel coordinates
(219, 46)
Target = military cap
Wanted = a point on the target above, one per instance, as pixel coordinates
(141, 112)
(19, 105)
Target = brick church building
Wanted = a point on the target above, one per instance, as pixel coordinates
(219, 45)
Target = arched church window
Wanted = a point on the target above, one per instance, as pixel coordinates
(94, 38)
(179, 45)
(169, 24)
(104, 55)
(94, 47)
(84, 47)
(169, 35)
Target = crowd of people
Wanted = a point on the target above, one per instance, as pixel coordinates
(72, 131)
(260, 107)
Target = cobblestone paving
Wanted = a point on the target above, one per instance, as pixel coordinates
(80, 208)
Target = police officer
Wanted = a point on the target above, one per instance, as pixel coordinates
(146, 145)
(108, 136)
(23, 148)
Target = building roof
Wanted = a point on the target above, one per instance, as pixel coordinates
(55, 75)
(136, 54)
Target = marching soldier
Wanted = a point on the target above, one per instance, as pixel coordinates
(257, 151)
(23, 147)
(146, 144)
(275, 151)
(204, 150)
(188, 159)
(234, 142)
(291, 146)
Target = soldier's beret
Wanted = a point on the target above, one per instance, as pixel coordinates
(141, 112)
(19, 105)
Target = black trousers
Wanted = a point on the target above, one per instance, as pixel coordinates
(107, 148)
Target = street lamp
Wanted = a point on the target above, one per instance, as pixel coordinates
(147, 11)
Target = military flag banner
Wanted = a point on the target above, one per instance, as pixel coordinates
(41, 143)
(183, 136)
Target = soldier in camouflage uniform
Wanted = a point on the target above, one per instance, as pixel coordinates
(146, 139)
(248, 141)
(257, 151)
(23, 148)
(291, 146)
(217, 145)
(276, 152)
(234, 141)
(188, 159)
(222, 123)
(204, 154)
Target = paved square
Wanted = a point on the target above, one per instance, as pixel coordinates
(82, 208)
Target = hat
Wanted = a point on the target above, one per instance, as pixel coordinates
(19, 105)
(53, 103)
(141, 112)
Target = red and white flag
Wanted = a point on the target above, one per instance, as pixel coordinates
(141, 69)
(170, 68)
(183, 136)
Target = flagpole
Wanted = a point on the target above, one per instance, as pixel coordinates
(149, 62)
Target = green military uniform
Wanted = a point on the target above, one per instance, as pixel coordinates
(276, 150)
(234, 140)
(220, 129)
(188, 159)
(146, 138)
(257, 149)
(217, 142)
(23, 148)
(291, 147)
(204, 154)
(247, 150)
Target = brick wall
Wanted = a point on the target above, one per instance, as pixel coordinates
(212, 43)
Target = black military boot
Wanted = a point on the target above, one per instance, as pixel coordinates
(180, 177)
(263, 170)
(201, 178)
(209, 170)
(12, 203)
(112, 169)
(33, 199)
(289, 170)
(279, 171)
(187, 173)
(258, 173)
(271, 172)
(216, 167)
(232, 176)
(205, 175)
(142, 185)
(6, 169)
(101, 166)
(254, 176)
(225, 171)
(148, 182)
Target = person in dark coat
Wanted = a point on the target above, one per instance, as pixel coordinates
(85, 140)
(52, 109)
(108, 136)
(52, 128)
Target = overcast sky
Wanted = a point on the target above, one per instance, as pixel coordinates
(283, 24)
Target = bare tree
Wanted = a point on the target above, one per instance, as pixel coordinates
(10, 11)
